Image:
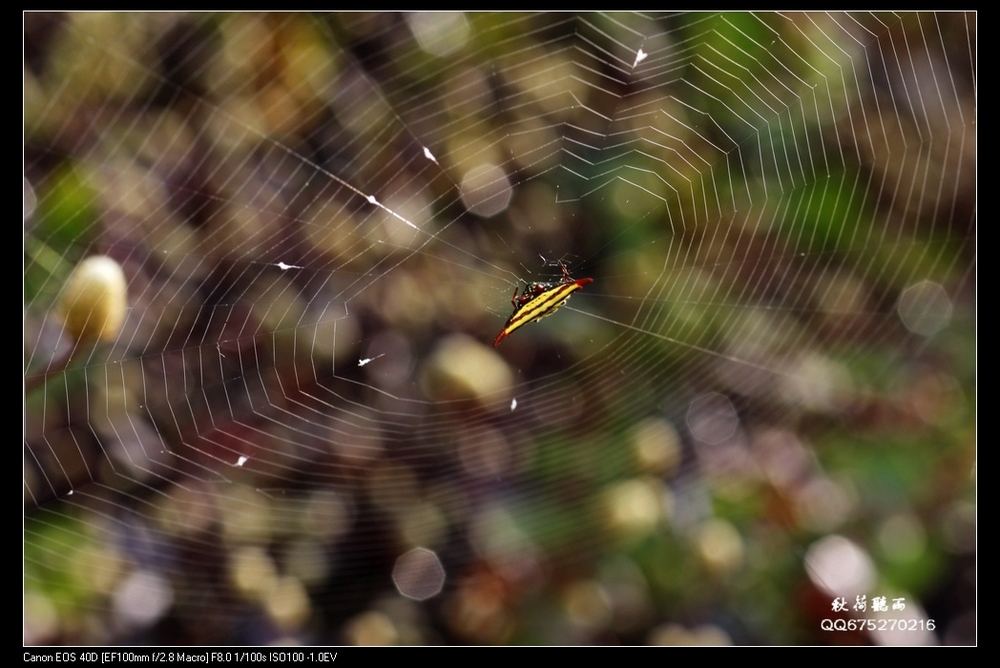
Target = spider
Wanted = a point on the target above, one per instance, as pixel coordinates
(538, 300)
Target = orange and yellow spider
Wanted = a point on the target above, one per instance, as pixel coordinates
(538, 300)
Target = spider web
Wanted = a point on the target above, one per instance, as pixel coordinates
(764, 402)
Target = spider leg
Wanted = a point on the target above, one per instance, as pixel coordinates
(513, 299)
(565, 278)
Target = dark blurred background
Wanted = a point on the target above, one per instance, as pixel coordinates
(763, 404)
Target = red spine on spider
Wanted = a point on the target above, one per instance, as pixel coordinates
(539, 300)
